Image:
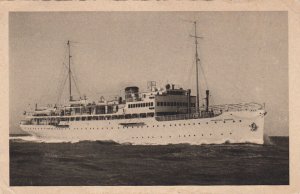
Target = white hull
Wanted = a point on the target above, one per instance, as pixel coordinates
(233, 127)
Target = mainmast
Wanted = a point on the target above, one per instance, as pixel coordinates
(197, 60)
(70, 86)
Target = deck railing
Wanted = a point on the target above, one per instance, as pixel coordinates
(213, 111)
(237, 107)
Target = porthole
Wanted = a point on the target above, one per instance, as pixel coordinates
(194, 135)
(170, 136)
(193, 123)
(189, 123)
(175, 125)
(240, 120)
(230, 133)
(170, 125)
(210, 134)
(160, 136)
(163, 125)
(206, 122)
(221, 133)
(233, 121)
(179, 124)
(183, 135)
(215, 121)
(198, 123)
(157, 125)
(189, 135)
(224, 121)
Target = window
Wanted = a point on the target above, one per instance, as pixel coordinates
(121, 117)
(77, 118)
(151, 104)
(150, 114)
(134, 116)
(83, 118)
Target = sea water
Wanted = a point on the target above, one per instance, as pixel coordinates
(87, 163)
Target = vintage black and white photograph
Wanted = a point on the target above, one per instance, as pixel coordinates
(148, 98)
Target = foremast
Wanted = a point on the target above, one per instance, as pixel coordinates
(197, 59)
(69, 72)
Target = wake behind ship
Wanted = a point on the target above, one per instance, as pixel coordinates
(168, 115)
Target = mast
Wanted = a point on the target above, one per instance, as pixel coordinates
(70, 86)
(197, 60)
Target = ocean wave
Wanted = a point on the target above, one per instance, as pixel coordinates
(40, 140)
(34, 139)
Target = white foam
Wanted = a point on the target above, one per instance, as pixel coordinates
(267, 140)
(41, 140)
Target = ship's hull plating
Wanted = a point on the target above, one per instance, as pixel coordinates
(233, 127)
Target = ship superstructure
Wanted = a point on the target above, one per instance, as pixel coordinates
(168, 115)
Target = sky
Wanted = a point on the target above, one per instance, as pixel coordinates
(244, 57)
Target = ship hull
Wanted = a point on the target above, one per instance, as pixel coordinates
(229, 127)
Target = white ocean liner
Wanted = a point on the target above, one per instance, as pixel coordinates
(158, 116)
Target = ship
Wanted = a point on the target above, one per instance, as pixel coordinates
(156, 116)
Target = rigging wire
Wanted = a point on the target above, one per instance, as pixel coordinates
(72, 76)
(77, 88)
(62, 89)
(62, 78)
